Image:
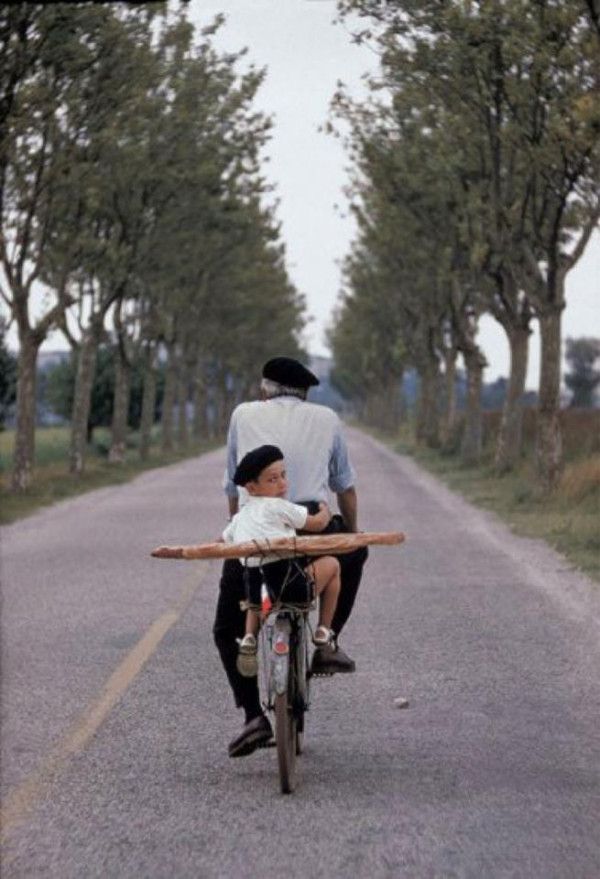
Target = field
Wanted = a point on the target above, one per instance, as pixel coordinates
(569, 519)
(52, 482)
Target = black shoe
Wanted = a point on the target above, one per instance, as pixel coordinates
(330, 660)
(254, 734)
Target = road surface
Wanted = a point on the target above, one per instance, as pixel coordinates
(116, 713)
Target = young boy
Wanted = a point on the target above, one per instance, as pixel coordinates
(267, 514)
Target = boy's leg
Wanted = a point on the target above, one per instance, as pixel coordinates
(252, 621)
(247, 661)
(326, 574)
(327, 658)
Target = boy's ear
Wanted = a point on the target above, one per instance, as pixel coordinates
(251, 487)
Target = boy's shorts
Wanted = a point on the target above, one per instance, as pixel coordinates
(285, 580)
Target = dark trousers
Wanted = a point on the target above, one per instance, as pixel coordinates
(230, 620)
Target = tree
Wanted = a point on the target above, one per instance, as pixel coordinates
(61, 391)
(49, 54)
(8, 376)
(583, 378)
(515, 85)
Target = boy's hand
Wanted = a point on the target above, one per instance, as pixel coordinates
(324, 515)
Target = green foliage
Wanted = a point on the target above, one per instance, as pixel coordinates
(583, 378)
(568, 518)
(130, 185)
(476, 160)
(61, 388)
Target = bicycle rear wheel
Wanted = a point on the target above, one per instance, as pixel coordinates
(285, 735)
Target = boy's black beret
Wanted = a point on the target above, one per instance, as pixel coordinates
(290, 372)
(252, 464)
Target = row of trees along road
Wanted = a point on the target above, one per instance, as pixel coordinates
(475, 189)
(130, 188)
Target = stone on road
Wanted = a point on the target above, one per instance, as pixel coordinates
(116, 713)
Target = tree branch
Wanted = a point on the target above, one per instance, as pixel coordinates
(577, 252)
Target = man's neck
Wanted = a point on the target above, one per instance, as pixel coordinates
(289, 394)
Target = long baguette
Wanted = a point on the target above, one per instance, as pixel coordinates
(312, 544)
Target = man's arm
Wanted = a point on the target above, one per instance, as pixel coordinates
(342, 478)
(234, 504)
(231, 489)
(348, 507)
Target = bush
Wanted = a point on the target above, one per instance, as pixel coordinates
(581, 479)
(580, 431)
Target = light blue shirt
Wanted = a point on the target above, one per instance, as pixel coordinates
(309, 436)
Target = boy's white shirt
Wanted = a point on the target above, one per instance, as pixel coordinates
(265, 518)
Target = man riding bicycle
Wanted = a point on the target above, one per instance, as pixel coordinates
(317, 460)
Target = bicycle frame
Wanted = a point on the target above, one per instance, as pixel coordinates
(283, 664)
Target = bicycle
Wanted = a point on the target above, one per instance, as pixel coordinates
(283, 639)
(285, 682)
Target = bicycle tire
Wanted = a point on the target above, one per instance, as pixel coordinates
(285, 736)
(300, 703)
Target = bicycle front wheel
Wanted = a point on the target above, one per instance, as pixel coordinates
(300, 735)
(285, 734)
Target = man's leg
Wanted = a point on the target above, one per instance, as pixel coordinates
(351, 567)
(230, 624)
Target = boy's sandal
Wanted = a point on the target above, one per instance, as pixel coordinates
(322, 636)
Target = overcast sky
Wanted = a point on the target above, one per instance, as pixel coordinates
(306, 55)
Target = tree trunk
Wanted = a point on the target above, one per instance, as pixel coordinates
(509, 441)
(82, 399)
(428, 421)
(168, 403)
(24, 449)
(390, 401)
(549, 440)
(222, 407)
(148, 402)
(470, 449)
(200, 424)
(449, 420)
(118, 444)
(182, 400)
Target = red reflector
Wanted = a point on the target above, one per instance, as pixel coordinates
(281, 648)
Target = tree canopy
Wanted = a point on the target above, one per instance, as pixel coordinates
(131, 189)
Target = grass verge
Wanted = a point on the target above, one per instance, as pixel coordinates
(52, 481)
(569, 519)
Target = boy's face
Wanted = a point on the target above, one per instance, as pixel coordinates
(271, 482)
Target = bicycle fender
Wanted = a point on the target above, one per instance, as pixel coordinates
(280, 656)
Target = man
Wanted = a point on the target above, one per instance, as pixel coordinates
(317, 461)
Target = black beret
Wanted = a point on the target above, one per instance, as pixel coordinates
(252, 464)
(289, 372)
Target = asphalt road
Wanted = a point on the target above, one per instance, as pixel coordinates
(116, 713)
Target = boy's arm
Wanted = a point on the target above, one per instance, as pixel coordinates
(319, 520)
